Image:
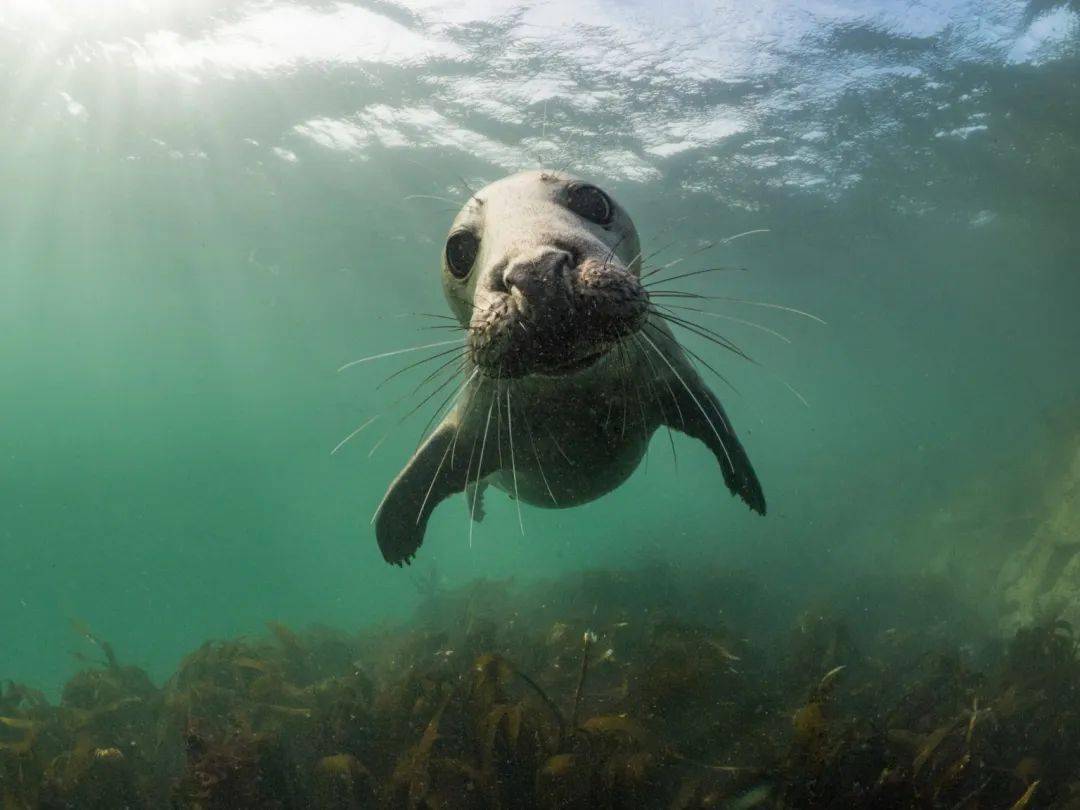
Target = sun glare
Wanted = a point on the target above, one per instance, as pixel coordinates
(71, 15)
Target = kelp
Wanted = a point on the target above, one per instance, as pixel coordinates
(636, 688)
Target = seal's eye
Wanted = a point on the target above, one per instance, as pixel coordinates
(461, 250)
(591, 203)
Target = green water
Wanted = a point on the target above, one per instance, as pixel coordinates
(206, 209)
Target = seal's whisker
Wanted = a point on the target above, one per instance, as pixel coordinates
(635, 388)
(394, 405)
(476, 306)
(468, 467)
(697, 402)
(480, 465)
(536, 455)
(663, 312)
(430, 197)
(611, 253)
(733, 319)
(767, 370)
(559, 448)
(513, 463)
(727, 240)
(428, 398)
(697, 357)
(680, 294)
(443, 409)
(681, 259)
(401, 351)
(622, 394)
(641, 409)
(470, 189)
(720, 269)
(436, 356)
(456, 358)
(464, 416)
(424, 381)
(674, 399)
(498, 422)
(748, 301)
(344, 441)
(667, 229)
(656, 252)
(629, 377)
(793, 390)
(625, 382)
(566, 164)
(651, 381)
(422, 315)
(431, 486)
(769, 305)
(704, 332)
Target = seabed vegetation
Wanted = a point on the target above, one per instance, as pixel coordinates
(639, 689)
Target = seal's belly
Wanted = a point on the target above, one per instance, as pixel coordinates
(566, 464)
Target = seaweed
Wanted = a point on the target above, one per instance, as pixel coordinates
(637, 688)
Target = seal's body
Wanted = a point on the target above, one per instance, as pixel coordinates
(569, 369)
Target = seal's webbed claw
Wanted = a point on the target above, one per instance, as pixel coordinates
(701, 416)
(429, 478)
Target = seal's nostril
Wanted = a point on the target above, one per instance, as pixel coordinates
(563, 262)
(515, 277)
(498, 278)
(534, 272)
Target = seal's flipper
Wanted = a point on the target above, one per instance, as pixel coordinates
(701, 415)
(474, 500)
(432, 475)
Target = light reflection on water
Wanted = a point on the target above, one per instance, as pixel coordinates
(636, 84)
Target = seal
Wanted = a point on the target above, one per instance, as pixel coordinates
(568, 366)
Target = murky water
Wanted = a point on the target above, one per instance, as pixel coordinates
(207, 208)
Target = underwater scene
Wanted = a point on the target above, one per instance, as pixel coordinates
(544, 404)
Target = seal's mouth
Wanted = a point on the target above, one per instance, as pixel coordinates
(564, 328)
(524, 357)
(575, 365)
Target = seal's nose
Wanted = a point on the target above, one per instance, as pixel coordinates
(538, 275)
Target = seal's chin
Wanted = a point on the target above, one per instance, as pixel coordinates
(517, 364)
(556, 327)
(574, 365)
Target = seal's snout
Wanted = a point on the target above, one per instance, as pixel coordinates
(614, 301)
(540, 280)
(550, 312)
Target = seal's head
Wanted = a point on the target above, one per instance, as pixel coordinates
(542, 268)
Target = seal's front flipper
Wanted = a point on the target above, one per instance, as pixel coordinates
(474, 500)
(433, 474)
(700, 414)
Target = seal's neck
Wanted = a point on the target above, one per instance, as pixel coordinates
(619, 364)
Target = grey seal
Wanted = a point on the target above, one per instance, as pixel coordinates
(568, 367)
